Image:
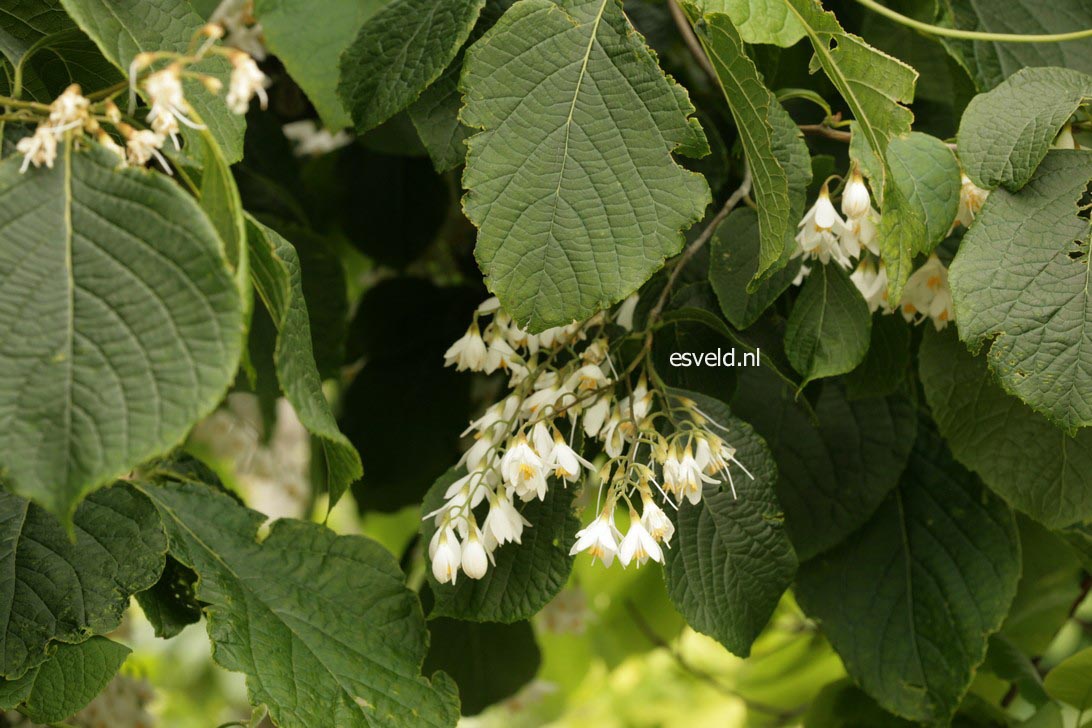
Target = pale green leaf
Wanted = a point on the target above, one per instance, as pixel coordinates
(730, 560)
(571, 180)
(278, 281)
(1070, 681)
(760, 21)
(828, 330)
(1021, 281)
(1005, 133)
(909, 601)
(124, 28)
(309, 38)
(834, 473)
(322, 625)
(122, 321)
(70, 679)
(525, 576)
(926, 173)
(58, 590)
(1035, 466)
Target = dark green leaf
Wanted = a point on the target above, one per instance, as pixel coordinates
(842, 704)
(887, 362)
(828, 329)
(69, 679)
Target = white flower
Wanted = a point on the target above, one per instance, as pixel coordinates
(468, 352)
(475, 561)
(69, 110)
(684, 477)
(599, 538)
(168, 103)
(39, 148)
(311, 141)
(446, 555)
(819, 232)
(246, 81)
(855, 199)
(801, 275)
(465, 492)
(871, 280)
(237, 19)
(971, 199)
(926, 294)
(498, 355)
(489, 306)
(624, 317)
(542, 440)
(612, 434)
(522, 471)
(595, 415)
(503, 523)
(656, 521)
(565, 462)
(1065, 139)
(638, 545)
(861, 233)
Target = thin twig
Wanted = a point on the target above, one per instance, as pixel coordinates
(692, 41)
(825, 131)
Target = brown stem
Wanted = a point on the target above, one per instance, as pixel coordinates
(825, 131)
(691, 40)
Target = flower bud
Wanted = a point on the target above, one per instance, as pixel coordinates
(855, 199)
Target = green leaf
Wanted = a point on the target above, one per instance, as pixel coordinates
(322, 625)
(1005, 133)
(828, 330)
(832, 474)
(760, 21)
(122, 322)
(29, 22)
(70, 679)
(731, 559)
(1021, 279)
(488, 661)
(752, 106)
(310, 49)
(219, 198)
(909, 600)
(887, 362)
(124, 28)
(733, 264)
(58, 590)
(400, 51)
(1021, 456)
(571, 180)
(926, 174)
(1071, 680)
(989, 63)
(1005, 660)
(278, 281)
(525, 576)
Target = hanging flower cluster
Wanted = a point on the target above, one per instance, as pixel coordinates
(168, 111)
(826, 236)
(565, 390)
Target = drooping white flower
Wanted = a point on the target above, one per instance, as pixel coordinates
(684, 476)
(927, 295)
(801, 275)
(624, 316)
(69, 110)
(542, 440)
(168, 103)
(40, 148)
(565, 462)
(638, 545)
(612, 434)
(522, 471)
(656, 521)
(856, 201)
(468, 352)
(862, 233)
(600, 538)
(143, 146)
(820, 230)
(309, 140)
(971, 199)
(503, 523)
(499, 354)
(241, 29)
(595, 415)
(475, 560)
(446, 555)
(247, 80)
(871, 280)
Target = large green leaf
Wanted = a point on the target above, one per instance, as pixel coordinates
(1071, 680)
(29, 22)
(1035, 466)
(910, 600)
(122, 324)
(731, 559)
(488, 661)
(571, 180)
(1006, 132)
(989, 63)
(752, 105)
(832, 474)
(310, 49)
(828, 330)
(400, 51)
(926, 174)
(322, 625)
(278, 281)
(525, 576)
(760, 21)
(58, 590)
(66, 682)
(1021, 281)
(124, 28)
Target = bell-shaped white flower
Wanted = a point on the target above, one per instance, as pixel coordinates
(689, 477)
(624, 315)
(522, 471)
(143, 146)
(927, 295)
(596, 415)
(40, 148)
(656, 522)
(468, 352)
(612, 434)
(542, 440)
(856, 201)
(503, 523)
(499, 353)
(819, 232)
(475, 560)
(565, 462)
(638, 545)
(600, 538)
(861, 233)
(871, 280)
(247, 80)
(489, 306)
(971, 199)
(446, 554)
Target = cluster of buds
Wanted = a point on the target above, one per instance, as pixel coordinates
(75, 114)
(564, 387)
(826, 236)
